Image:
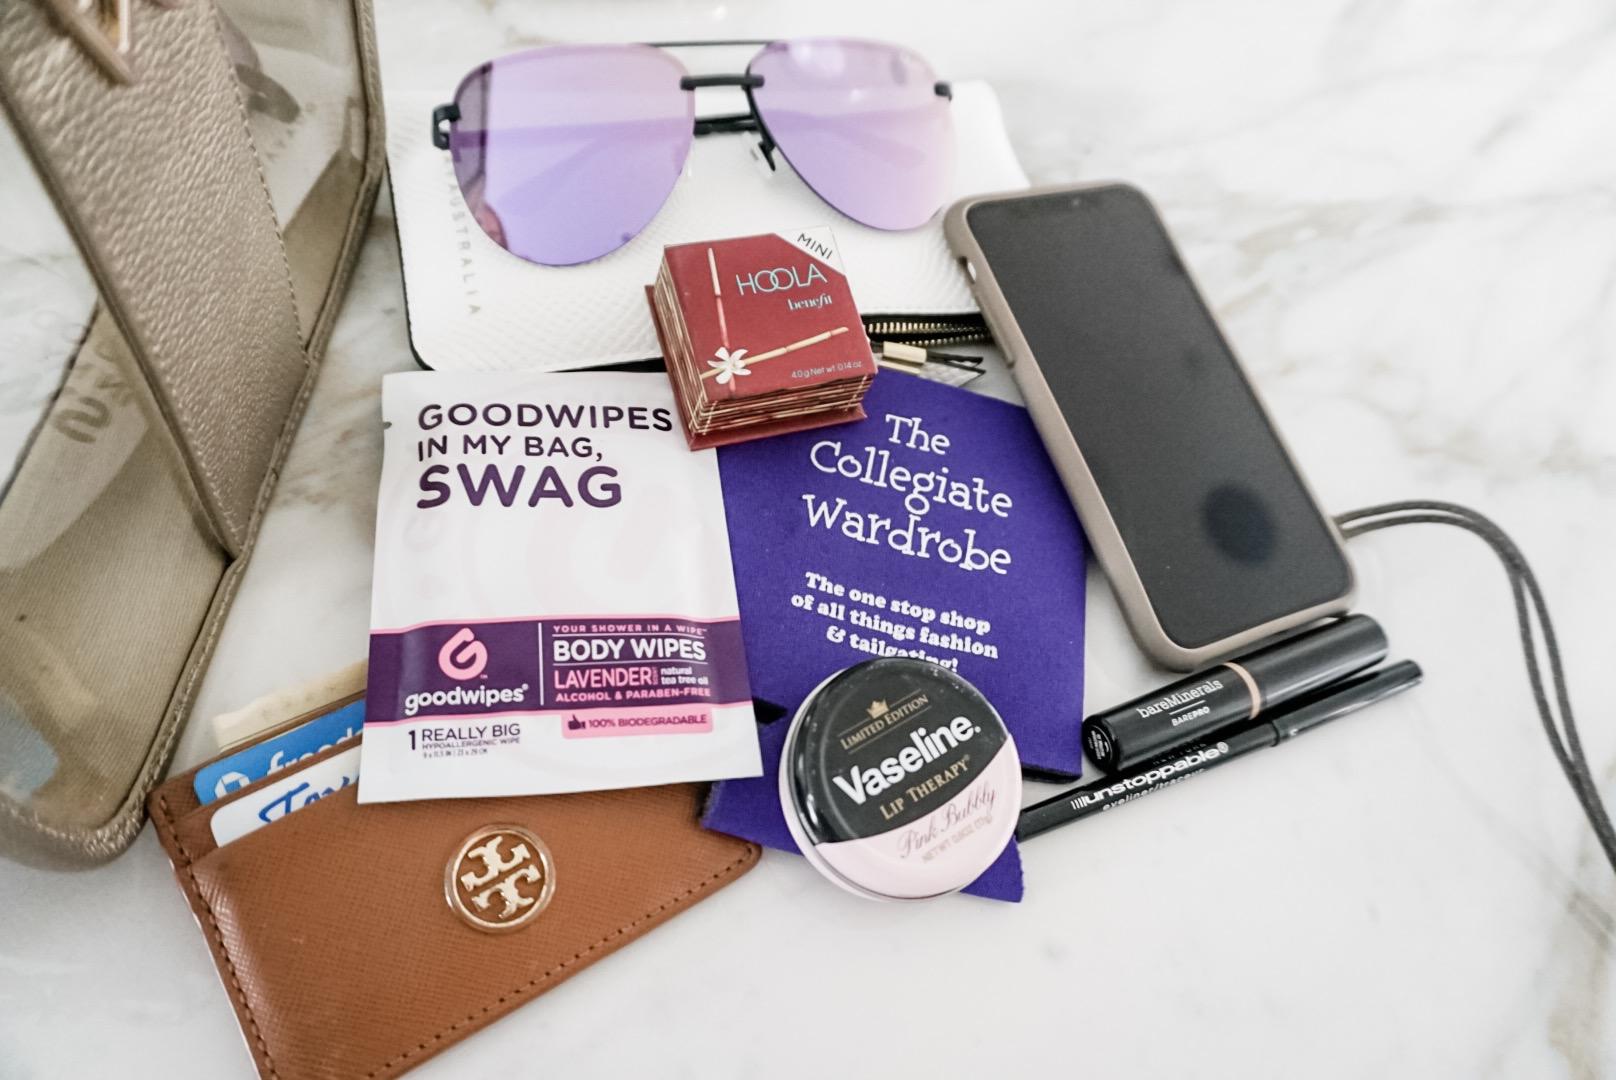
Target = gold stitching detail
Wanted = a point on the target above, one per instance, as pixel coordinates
(195, 892)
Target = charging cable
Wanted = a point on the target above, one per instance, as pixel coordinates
(1532, 614)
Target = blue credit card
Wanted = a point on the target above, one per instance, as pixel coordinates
(220, 778)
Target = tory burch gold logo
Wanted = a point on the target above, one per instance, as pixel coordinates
(500, 878)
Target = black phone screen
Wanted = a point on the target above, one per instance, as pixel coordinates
(1213, 513)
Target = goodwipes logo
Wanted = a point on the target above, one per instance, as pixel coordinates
(463, 656)
(464, 661)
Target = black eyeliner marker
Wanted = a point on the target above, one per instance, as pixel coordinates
(1347, 696)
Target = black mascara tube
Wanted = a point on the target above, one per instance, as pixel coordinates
(1193, 708)
(1346, 696)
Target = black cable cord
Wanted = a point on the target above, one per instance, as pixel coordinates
(1532, 613)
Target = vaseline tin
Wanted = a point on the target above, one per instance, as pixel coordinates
(899, 781)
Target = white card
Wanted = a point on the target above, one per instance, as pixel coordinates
(287, 795)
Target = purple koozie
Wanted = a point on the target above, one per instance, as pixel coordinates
(938, 528)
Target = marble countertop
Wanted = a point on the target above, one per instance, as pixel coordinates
(1406, 216)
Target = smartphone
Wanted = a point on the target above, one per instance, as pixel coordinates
(1197, 512)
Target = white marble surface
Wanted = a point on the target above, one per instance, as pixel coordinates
(1405, 214)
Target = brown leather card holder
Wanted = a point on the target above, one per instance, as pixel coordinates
(357, 941)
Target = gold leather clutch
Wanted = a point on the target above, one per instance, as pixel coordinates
(213, 169)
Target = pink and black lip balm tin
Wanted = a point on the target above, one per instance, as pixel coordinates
(899, 781)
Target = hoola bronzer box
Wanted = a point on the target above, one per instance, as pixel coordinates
(761, 336)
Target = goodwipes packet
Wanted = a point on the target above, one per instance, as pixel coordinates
(553, 605)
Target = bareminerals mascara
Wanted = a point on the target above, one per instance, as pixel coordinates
(1341, 698)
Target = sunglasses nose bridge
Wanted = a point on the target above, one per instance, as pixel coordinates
(733, 122)
(744, 80)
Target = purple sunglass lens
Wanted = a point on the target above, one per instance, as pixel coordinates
(565, 153)
(863, 125)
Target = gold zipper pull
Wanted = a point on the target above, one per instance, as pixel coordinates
(903, 357)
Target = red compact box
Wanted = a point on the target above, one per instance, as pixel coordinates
(761, 336)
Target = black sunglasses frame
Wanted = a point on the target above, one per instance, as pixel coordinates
(723, 124)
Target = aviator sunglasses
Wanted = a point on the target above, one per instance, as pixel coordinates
(565, 153)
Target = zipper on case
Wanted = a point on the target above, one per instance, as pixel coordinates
(926, 331)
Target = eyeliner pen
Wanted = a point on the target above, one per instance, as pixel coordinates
(1337, 700)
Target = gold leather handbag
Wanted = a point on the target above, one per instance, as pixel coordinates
(201, 177)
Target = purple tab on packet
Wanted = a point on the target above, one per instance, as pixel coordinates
(424, 671)
(937, 527)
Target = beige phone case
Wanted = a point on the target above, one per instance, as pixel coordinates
(1098, 524)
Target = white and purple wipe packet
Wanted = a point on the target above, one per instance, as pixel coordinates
(553, 605)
